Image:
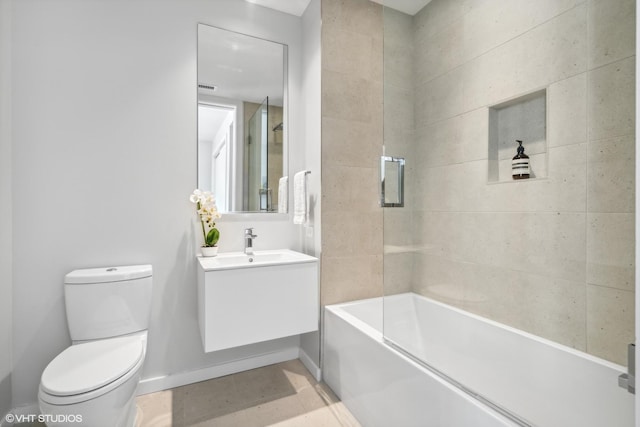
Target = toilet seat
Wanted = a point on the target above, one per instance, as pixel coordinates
(88, 370)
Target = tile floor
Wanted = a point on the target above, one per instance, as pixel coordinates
(284, 394)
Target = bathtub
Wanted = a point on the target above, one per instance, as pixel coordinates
(488, 374)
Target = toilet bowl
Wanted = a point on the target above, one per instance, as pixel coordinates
(93, 382)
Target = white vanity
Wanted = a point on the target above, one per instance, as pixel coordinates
(245, 299)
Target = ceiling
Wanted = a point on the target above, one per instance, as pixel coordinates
(297, 7)
(292, 7)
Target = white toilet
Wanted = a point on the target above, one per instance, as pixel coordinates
(93, 382)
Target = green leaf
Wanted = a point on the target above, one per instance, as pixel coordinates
(212, 237)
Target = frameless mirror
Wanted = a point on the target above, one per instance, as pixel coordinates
(242, 132)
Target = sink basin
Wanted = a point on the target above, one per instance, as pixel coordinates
(245, 299)
(231, 260)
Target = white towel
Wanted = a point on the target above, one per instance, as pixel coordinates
(300, 211)
(283, 194)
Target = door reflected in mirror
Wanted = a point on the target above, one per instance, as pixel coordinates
(242, 132)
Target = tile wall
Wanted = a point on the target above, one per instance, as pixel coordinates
(352, 43)
(552, 256)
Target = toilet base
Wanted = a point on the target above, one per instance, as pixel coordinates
(116, 408)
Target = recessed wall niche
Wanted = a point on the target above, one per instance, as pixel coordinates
(523, 118)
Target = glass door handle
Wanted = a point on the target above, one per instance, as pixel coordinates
(391, 182)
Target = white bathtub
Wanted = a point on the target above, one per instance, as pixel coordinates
(540, 382)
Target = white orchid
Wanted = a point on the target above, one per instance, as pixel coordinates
(208, 213)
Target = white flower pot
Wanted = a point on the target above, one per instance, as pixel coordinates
(209, 250)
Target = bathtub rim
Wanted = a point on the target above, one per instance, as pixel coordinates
(376, 336)
(372, 331)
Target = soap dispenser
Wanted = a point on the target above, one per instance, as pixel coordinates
(520, 163)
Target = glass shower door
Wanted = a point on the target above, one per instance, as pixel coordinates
(256, 185)
(486, 276)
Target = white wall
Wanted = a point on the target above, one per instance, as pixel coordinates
(104, 160)
(5, 210)
(311, 87)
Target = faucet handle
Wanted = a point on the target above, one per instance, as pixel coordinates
(249, 232)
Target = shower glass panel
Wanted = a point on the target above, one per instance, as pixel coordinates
(551, 255)
(256, 160)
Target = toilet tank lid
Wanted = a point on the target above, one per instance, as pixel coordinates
(108, 274)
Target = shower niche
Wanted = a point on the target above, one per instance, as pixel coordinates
(523, 118)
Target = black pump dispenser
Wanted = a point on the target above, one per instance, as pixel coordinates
(520, 163)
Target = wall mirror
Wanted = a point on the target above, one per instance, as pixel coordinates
(242, 110)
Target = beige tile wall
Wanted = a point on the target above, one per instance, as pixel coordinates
(351, 143)
(554, 257)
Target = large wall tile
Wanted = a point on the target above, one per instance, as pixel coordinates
(523, 253)
(398, 49)
(361, 16)
(352, 138)
(398, 65)
(567, 111)
(437, 53)
(610, 322)
(610, 250)
(397, 227)
(458, 139)
(612, 25)
(507, 20)
(398, 272)
(349, 143)
(438, 15)
(350, 98)
(351, 278)
(611, 175)
(611, 107)
(353, 233)
(440, 98)
(351, 53)
(398, 112)
(548, 307)
(349, 189)
(550, 244)
(550, 52)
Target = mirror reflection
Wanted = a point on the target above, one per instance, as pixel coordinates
(241, 119)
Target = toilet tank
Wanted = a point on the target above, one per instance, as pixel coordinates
(107, 302)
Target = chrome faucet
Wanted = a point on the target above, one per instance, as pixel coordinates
(248, 240)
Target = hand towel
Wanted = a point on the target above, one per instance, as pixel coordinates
(283, 194)
(300, 213)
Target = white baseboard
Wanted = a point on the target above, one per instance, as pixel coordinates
(310, 365)
(151, 385)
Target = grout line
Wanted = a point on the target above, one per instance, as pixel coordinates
(610, 287)
(514, 270)
(586, 198)
(510, 40)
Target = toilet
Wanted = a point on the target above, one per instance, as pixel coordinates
(94, 381)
